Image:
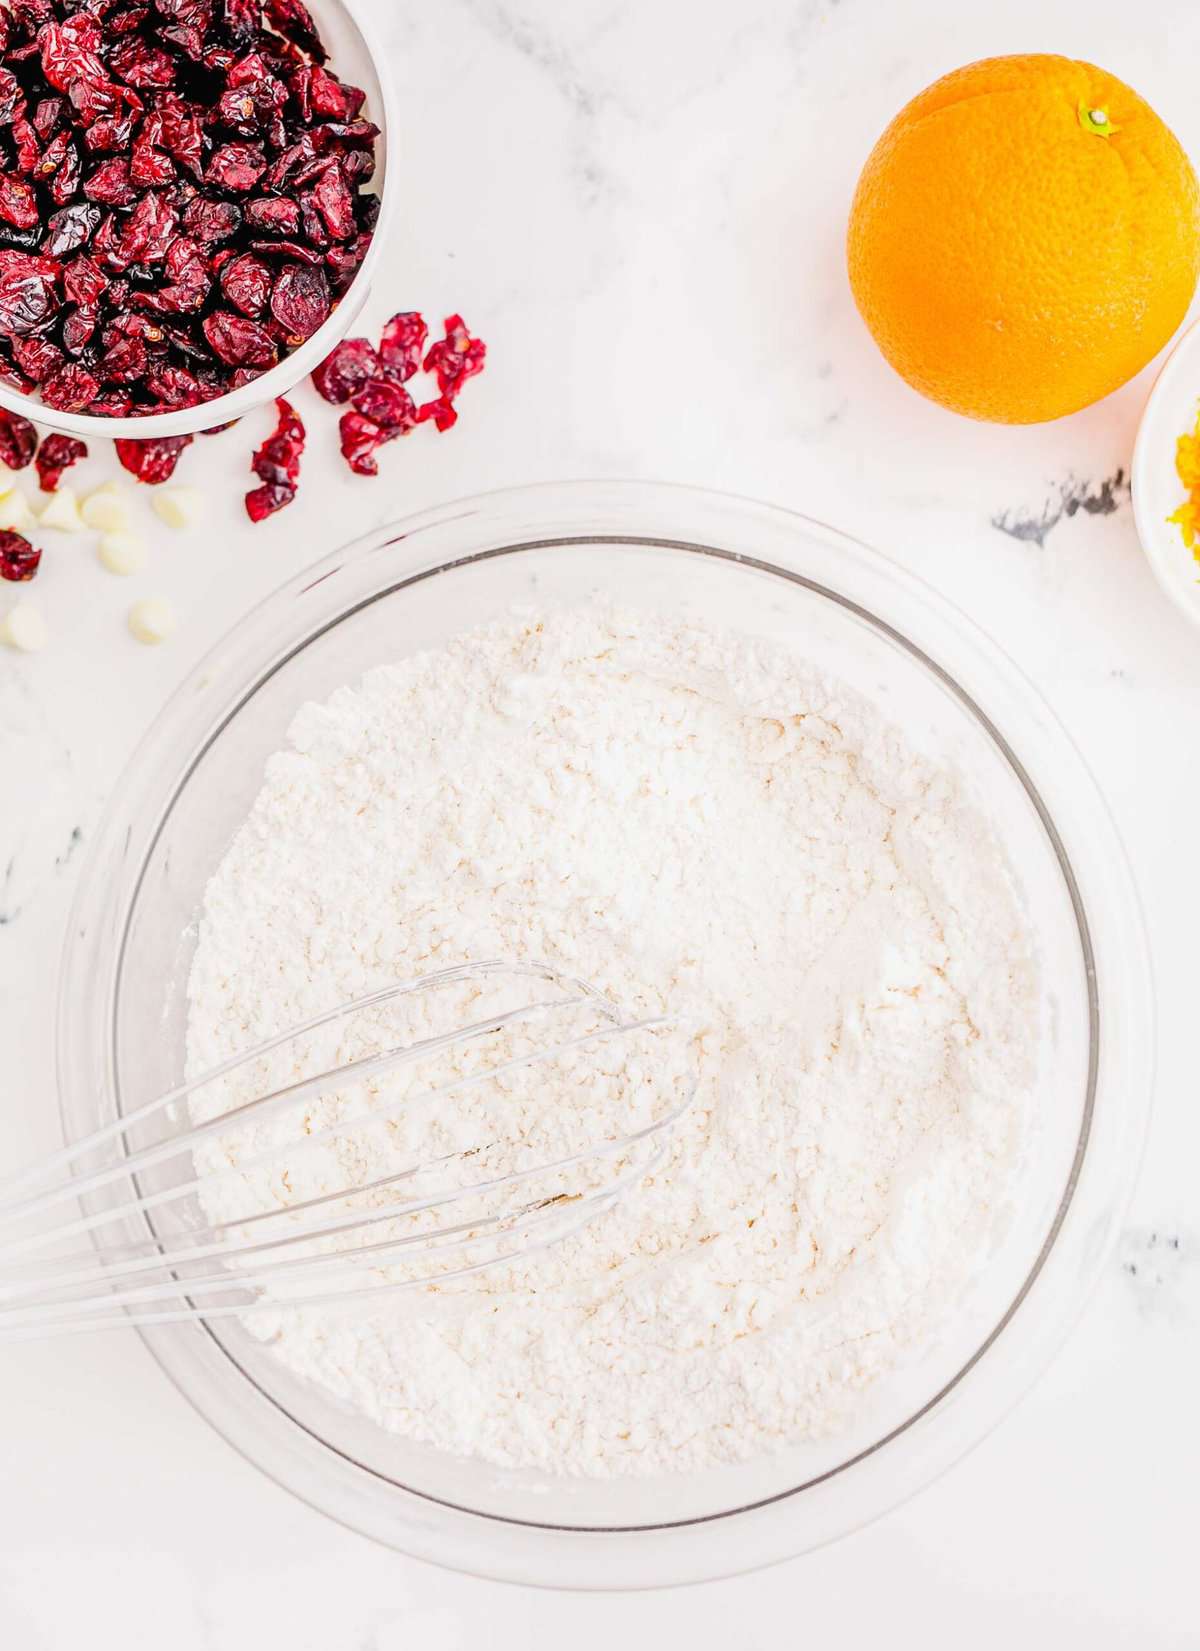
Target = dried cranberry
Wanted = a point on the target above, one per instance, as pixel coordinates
(335, 202)
(346, 370)
(442, 411)
(27, 295)
(212, 221)
(455, 358)
(79, 328)
(175, 387)
(38, 358)
(72, 228)
(11, 95)
(31, 13)
(148, 231)
(114, 404)
(110, 184)
(239, 341)
(242, 17)
(18, 440)
(361, 437)
(264, 501)
(277, 465)
(236, 167)
(142, 64)
(124, 362)
(46, 116)
(189, 40)
(18, 203)
(29, 150)
(359, 167)
(401, 345)
(300, 300)
(192, 14)
(72, 390)
(152, 461)
(149, 167)
(11, 375)
(56, 454)
(343, 262)
(386, 404)
(115, 132)
(18, 558)
(274, 214)
(64, 185)
(246, 283)
(294, 21)
(288, 249)
(182, 135)
(289, 160)
(328, 97)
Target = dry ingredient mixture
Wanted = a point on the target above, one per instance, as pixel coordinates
(691, 819)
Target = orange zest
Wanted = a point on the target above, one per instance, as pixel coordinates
(1187, 467)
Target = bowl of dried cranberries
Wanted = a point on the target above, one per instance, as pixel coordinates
(191, 204)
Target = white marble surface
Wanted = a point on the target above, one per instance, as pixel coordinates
(640, 204)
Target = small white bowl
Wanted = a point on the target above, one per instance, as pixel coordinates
(356, 56)
(1157, 490)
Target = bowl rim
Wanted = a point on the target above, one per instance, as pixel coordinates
(1161, 424)
(1122, 1057)
(296, 366)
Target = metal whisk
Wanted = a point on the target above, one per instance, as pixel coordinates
(171, 1264)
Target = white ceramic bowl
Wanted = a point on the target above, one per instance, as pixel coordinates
(1170, 413)
(355, 54)
(122, 1006)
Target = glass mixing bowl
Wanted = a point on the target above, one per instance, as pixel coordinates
(123, 1000)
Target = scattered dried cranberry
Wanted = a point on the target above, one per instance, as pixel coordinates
(455, 358)
(277, 465)
(402, 343)
(351, 364)
(387, 404)
(18, 558)
(56, 454)
(441, 410)
(187, 163)
(361, 437)
(152, 461)
(373, 381)
(18, 440)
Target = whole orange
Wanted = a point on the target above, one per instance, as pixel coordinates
(1024, 238)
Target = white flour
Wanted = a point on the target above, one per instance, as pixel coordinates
(689, 819)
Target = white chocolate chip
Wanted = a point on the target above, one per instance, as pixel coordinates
(122, 552)
(62, 512)
(179, 507)
(15, 512)
(107, 509)
(152, 620)
(23, 627)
